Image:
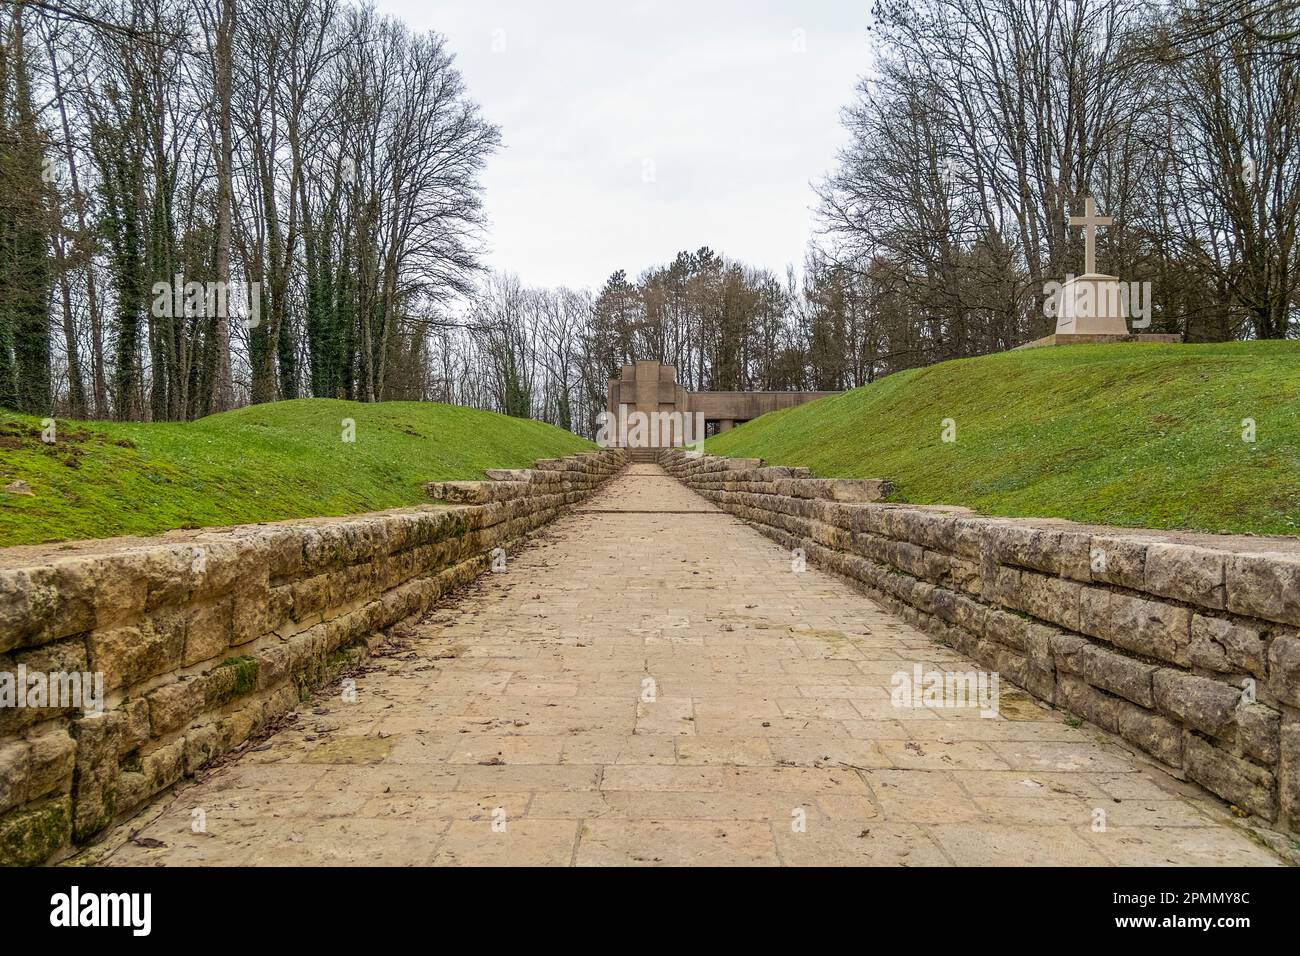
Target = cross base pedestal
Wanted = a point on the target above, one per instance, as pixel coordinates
(1092, 305)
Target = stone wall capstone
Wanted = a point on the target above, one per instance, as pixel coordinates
(1186, 646)
(203, 639)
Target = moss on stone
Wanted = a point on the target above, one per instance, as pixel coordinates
(345, 656)
(232, 678)
(86, 828)
(31, 835)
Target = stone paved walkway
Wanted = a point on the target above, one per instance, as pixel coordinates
(509, 729)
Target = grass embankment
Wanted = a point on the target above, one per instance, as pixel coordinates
(264, 463)
(1133, 435)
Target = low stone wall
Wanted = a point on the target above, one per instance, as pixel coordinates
(1184, 645)
(203, 639)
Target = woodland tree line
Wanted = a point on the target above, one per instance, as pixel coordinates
(310, 150)
(329, 158)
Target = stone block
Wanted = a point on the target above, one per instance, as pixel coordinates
(163, 765)
(1284, 669)
(1121, 675)
(1265, 585)
(1206, 704)
(30, 835)
(53, 757)
(45, 603)
(970, 537)
(1079, 697)
(1222, 645)
(174, 705)
(1050, 550)
(1038, 647)
(121, 588)
(1118, 559)
(1153, 628)
(209, 630)
(1094, 611)
(27, 607)
(132, 653)
(15, 757)
(1288, 774)
(1258, 731)
(1051, 599)
(94, 789)
(1006, 628)
(1239, 781)
(60, 658)
(1064, 646)
(1161, 738)
(855, 489)
(202, 744)
(137, 731)
(1185, 573)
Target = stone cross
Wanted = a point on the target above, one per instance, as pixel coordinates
(1090, 221)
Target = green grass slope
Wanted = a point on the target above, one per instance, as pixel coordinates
(265, 463)
(1132, 435)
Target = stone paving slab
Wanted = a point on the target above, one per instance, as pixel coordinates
(652, 682)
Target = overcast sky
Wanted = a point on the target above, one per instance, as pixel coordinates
(636, 128)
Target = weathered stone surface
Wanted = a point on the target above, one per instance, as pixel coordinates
(1049, 599)
(1066, 645)
(1110, 671)
(209, 630)
(94, 795)
(201, 745)
(1265, 585)
(129, 654)
(1039, 640)
(856, 489)
(1049, 550)
(1239, 781)
(1222, 645)
(53, 756)
(959, 609)
(27, 606)
(1288, 774)
(41, 604)
(1161, 738)
(1094, 612)
(1258, 729)
(1185, 573)
(64, 657)
(164, 765)
(173, 705)
(1152, 628)
(15, 758)
(1079, 697)
(30, 835)
(1006, 628)
(1118, 559)
(1206, 704)
(121, 588)
(137, 730)
(1284, 669)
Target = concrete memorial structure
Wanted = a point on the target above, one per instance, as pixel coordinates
(648, 393)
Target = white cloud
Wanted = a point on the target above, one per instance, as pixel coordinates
(714, 94)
